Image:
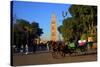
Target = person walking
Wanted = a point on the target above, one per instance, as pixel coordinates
(26, 49)
(34, 46)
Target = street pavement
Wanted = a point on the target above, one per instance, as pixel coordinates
(46, 58)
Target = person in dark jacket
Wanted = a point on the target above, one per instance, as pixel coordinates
(34, 46)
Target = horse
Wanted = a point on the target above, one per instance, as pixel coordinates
(68, 49)
(82, 45)
(54, 49)
(59, 48)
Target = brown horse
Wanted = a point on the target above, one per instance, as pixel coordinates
(58, 49)
(54, 49)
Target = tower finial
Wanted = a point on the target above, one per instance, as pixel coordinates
(53, 14)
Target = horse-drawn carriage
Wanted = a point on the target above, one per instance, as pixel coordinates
(61, 49)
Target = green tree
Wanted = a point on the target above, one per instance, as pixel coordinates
(36, 31)
(82, 22)
(23, 32)
(18, 33)
(87, 16)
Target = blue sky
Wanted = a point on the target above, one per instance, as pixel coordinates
(41, 13)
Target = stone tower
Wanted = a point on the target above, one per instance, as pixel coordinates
(53, 28)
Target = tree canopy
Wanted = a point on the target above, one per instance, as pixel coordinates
(23, 32)
(82, 24)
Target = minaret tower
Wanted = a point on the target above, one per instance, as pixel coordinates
(53, 28)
